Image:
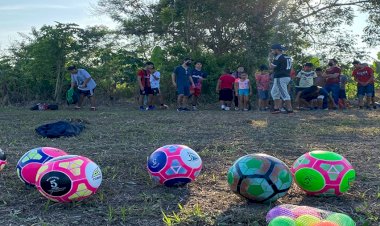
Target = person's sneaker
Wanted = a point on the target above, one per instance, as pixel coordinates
(276, 111)
(185, 109)
(245, 109)
(237, 109)
(289, 111)
(374, 107)
(283, 110)
(179, 109)
(227, 108)
(164, 106)
(150, 108)
(93, 108)
(195, 108)
(223, 107)
(142, 108)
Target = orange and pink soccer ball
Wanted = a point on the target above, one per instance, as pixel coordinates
(68, 178)
(174, 165)
(31, 161)
(323, 173)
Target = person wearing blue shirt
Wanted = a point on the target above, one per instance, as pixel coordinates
(198, 76)
(181, 79)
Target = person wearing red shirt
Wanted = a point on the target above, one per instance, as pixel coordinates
(332, 76)
(363, 75)
(143, 80)
(225, 89)
(263, 80)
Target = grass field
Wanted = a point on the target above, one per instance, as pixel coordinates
(119, 139)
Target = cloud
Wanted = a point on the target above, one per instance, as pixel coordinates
(25, 7)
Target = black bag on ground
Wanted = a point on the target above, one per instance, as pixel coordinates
(60, 128)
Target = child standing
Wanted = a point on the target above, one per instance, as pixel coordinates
(225, 89)
(342, 92)
(155, 85)
(263, 79)
(243, 90)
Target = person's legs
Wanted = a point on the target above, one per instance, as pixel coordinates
(80, 102)
(92, 101)
(261, 104)
(179, 100)
(283, 88)
(369, 90)
(246, 101)
(275, 92)
(186, 94)
(360, 95)
(335, 94)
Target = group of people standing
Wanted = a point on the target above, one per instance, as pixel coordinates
(314, 88)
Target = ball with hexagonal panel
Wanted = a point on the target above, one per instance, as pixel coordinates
(3, 160)
(32, 160)
(259, 178)
(68, 178)
(174, 165)
(323, 173)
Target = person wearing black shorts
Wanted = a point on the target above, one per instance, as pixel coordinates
(143, 80)
(224, 88)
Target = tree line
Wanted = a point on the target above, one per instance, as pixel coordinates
(219, 33)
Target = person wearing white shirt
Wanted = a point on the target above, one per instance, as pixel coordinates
(155, 85)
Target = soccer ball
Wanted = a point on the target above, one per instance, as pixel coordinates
(68, 178)
(259, 178)
(323, 173)
(174, 165)
(32, 160)
(3, 160)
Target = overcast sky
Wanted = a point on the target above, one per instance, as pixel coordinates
(20, 15)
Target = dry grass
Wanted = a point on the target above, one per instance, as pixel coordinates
(119, 139)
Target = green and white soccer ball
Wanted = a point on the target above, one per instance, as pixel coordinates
(259, 178)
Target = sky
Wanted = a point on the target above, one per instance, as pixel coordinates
(21, 15)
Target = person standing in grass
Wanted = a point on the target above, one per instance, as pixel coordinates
(155, 85)
(373, 93)
(281, 65)
(198, 76)
(243, 90)
(332, 76)
(364, 76)
(225, 89)
(143, 81)
(342, 91)
(181, 79)
(237, 75)
(85, 84)
(263, 79)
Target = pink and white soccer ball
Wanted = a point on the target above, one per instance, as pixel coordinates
(174, 165)
(68, 178)
(31, 161)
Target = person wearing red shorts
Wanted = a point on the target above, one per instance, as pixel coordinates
(198, 76)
